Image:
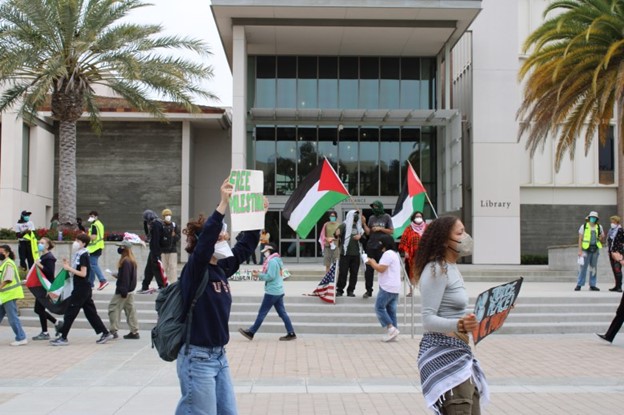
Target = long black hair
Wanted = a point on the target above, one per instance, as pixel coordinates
(8, 250)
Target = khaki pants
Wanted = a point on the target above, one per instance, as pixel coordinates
(170, 264)
(117, 303)
(463, 399)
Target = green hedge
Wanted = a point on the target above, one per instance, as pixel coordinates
(534, 259)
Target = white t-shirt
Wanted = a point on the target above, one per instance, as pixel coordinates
(390, 280)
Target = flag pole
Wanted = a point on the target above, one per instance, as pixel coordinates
(426, 194)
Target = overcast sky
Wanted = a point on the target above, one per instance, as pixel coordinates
(193, 18)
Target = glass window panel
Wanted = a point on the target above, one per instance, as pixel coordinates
(328, 83)
(306, 143)
(369, 162)
(606, 160)
(328, 145)
(410, 142)
(348, 156)
(271, 224)
(285, 179)
(288, 249)
(427, 171)
(410, 83)
(307, 249)
(307, 82)
(389, 161)
(286, 82)
(265, 156)
(389, 85)
(427, 84)
(348, 84)
(265, 82)
(369, 83)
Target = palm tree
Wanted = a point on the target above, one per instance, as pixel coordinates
(575, 78)
(56, 51)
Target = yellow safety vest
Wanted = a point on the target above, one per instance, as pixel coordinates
(98, 242)
(32, 238)
(12, 291)
(587, 237)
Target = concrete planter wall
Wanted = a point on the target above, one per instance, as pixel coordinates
(108, 259)
(565, 257)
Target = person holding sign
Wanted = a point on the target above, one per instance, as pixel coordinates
(452, 380)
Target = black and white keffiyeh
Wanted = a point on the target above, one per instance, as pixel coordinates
(445, 362)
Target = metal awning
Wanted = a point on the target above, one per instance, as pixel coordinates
(317, 116)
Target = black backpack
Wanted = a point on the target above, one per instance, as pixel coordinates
(172, 330)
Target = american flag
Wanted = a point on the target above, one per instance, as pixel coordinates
(326, 290)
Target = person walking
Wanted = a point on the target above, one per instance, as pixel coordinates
(389, 269)
(10, 292)
(265, 238)
(451, 378)
(590, 240)
(409, 244)
(82, 295)
(615, 241)
(273, 294)
(169, 246)
(46, 264)
(124, 293)
(379, 223)
(202, 366)
(95, 248)
(27, 240)
(154, 230)
(617, 255)
(331, 250)
(349, 234)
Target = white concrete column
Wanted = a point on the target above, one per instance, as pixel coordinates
(10, 169)
(239, 98)
(447, 76)
(185, 203)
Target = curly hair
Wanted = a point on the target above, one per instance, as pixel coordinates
(191, 230)
(432, 246)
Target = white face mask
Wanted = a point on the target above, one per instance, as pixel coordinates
(464, 245)
(222, 250)
(91, 219)
(267, 254)
(76, 245)
(418, 220)
(168, 218)
(614, 225)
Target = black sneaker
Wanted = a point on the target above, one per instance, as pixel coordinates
(615, 290)
(115, 335)
(350, 294)
(338, 293)
(59, 342)
(249, 335)
(105, 337)
(577, 288)
(132, 336)
(367, 294)
(594, 288)
(288, 337)
(42, 336)
(603, 337)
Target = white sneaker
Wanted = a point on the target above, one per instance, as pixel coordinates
(392, 333)
(19, 342)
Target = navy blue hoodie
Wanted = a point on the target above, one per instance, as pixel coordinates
(212, 310)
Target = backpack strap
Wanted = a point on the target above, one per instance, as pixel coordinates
(189, 316)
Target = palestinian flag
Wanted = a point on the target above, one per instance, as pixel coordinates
(49, 294)
(412, 199)
(319, 191)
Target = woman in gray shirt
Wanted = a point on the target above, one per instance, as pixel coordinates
(451, 378)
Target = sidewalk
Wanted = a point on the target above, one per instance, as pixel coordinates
(532, 375)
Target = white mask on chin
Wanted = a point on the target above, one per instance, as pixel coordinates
(76, 245)
(222, 250)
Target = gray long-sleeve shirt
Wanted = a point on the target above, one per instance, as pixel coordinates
(444, 298)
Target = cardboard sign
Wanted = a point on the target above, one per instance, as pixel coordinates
(247, 202)
(493, 306)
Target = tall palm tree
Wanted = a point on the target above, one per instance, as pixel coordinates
(575, 78)
(56, 51)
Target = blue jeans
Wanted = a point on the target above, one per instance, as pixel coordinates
(95, 269)
(591, 261)
(205, 382)
(10, 310)
(269, 301)
(386, 307)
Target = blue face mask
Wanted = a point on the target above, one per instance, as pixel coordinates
(332, 218)
(41, 247)
(593, 220)
(26, 218)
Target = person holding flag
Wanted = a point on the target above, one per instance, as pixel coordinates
(379, 224)
(273, 293)
(45, 265)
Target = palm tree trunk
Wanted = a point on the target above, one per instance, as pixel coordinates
(67, 173)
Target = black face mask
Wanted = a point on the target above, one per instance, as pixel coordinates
(2, 257)
(120, 250)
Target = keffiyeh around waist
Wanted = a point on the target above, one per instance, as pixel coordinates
(445, 362)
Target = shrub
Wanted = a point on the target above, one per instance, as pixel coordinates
(531, 259)
(7, 234)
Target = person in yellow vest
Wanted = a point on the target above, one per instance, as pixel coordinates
(27, 248)
(95, 248)
(10, 292)
(591, 238)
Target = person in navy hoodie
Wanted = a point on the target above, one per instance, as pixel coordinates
(204, 373)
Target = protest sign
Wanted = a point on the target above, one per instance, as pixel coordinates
(247, 202)
(493, 306)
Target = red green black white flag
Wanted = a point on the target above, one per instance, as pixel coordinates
(412, 199)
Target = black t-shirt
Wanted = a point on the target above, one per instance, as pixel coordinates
(83, 262)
